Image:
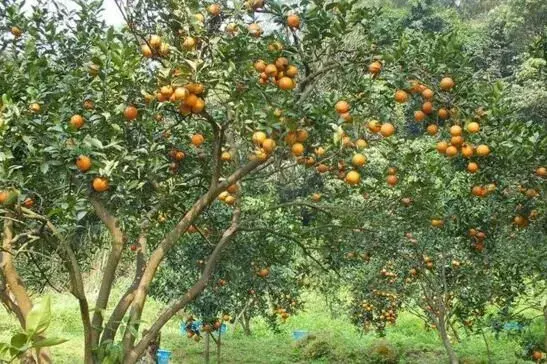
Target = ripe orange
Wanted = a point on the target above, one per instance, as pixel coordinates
(392, 180)
(88, 104)
(427, 94)
(322, 168)
(375, 67)
(231, 28)
(427, 107)
(260, 65)
(537, 355)
(271, 69)
(432, 129)
(282, 63)
(286, 83)
(353, 178)
(154, 41)
(233, 188)
(520, 221)
(130, 113)
(164, 49)
(226, 156)
(189, 43)
(401, 96)
(83, 163)
(100, 184)
(35, 107)
(473, 127)
(290, 138)
(190, 100)
(4, 195)
(199, 105)
(419, 115)
(443, 113)
(541, 171)
(472, 167)
(264, 272)
(361, 143)
(456, 140)
(446, 84)
(77, 121)
(387, 129)
(166, 91)
(442, 146)
(293, 21)
(28, 203)
(195, 88)
(467, 149)
(297, 149)
(268, 145)
(291, 71)
(346, 117)
(342, 107)
(451, 151)
(197, 140)
(455, 130)
(230, 200)
(16, 31)
(374, 126)
(259, 137)
(359, 160)
(302, 135)
(482, 150)
(214, 9)
(316, 197)
(179, 155)
(180, 93)
(255, 30)
(146, 51)
(478, 191)
(437, 222)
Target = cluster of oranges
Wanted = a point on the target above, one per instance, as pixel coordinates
(283, 314)
(280, 73)
(228, 196)
(188, 97)
(477, 239)
(155, 47)
(10, 195)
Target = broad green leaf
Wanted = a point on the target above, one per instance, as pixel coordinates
(39, 317)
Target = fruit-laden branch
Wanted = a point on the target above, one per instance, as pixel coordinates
(76, 280)
(116, 249)
(167, 243)
(191, 294)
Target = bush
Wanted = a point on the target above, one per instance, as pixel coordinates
(382, 352)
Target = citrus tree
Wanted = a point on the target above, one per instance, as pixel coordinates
(136, 132)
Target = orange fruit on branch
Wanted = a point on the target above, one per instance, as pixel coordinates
(83, 163)
(77, 121)
(130, 113)
(100, 184)
(293, 21)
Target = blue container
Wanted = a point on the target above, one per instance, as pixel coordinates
(163, 356)
(299, 334)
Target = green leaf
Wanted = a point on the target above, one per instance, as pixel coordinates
(19, 342)
(50, 341)
(39, 317)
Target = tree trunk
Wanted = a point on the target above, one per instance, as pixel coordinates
(246, 323)
(488, 353)
(545, 327)
(207, 345)
(218, 345)
(441, 327)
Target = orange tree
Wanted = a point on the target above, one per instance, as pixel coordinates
(107, 130)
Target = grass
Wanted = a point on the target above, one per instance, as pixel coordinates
(335, 340)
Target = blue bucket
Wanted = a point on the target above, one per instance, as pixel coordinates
(299, 334)
(163, 356)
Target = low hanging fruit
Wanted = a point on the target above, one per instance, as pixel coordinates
(342, 107)
(83, 163)
(472, 167)
(197, 140)
(130, 113)
(473, 127)
(359, 160)
(401, 96)
(100, 184)
(353, 178)
(375, 67)
(482, 150)
(387, 129)
(77, 121)
(446, 84)
(297, 149)
(427, 94)
(293, 21)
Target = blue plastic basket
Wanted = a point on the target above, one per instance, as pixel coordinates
(163, 356)
(299, 334)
